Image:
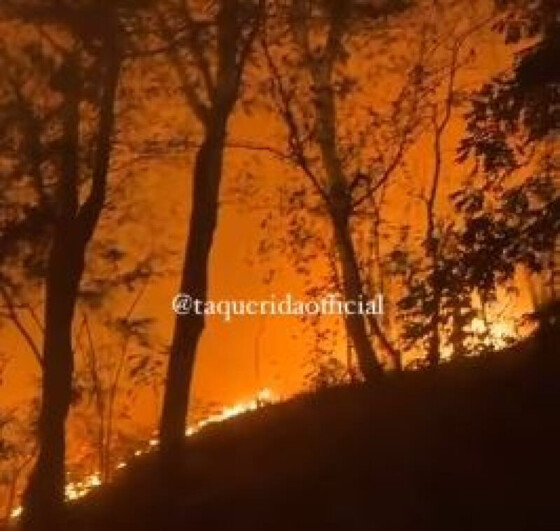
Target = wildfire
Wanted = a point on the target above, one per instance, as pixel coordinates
(78, 489)
(499, 333)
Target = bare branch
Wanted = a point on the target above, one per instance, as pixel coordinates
(18, 323)
(285, 108)
(198, 51)
(194, 101)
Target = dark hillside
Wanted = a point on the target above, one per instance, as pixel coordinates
(473, 445)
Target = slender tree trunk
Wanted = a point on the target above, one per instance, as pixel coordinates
(384, 341)
(433, 357)
(339, 195)
(44, 496)
(340, 210)
(352, 290)
(234, 38)
(194, 282)
(434, 346)
(433, 244)
(457, 334)
(73, 230)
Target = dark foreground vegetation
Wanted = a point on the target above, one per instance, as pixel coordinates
(472, 445)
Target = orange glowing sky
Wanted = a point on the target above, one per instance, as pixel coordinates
(226, 364)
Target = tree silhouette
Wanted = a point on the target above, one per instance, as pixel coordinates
(436, 307)
(518, 108)
(209, 51)
(107, 372)
(82, 49)
(306, 47)
(512, 135)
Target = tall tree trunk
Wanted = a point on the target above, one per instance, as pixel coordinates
(352, 290)
(194, 282)
(340, 212)
(73, 230)
(44, 496)
(235, 35)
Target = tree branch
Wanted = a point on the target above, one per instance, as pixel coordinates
(14, 317)
(285, 108)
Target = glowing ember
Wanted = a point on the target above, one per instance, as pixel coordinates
(79, 489)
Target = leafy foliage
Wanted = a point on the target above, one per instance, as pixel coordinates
(521, 107)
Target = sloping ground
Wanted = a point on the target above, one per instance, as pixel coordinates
(472, 446)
